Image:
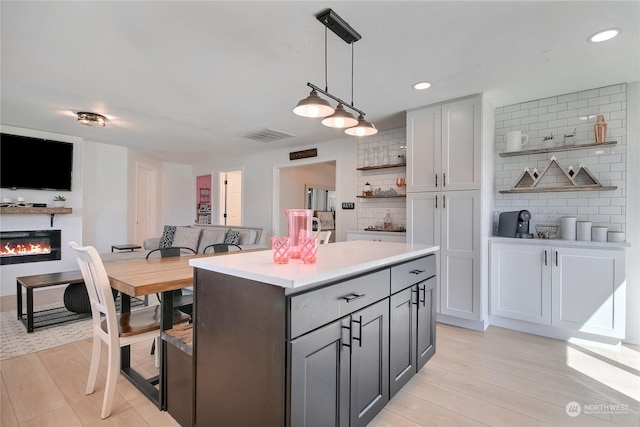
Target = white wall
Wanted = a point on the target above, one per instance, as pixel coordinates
(70, 225)
(260, 174)
(633, 213)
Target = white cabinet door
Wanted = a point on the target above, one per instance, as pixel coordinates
(520, 282)
(461, 148)
(589, 290)
(424, 135)
(423, 219)
(460, 254)
(444, 146)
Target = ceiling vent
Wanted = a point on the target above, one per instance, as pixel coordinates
(267, 135)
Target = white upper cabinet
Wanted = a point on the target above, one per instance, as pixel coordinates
(444, 146)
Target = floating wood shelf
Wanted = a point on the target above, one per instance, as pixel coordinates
(34, 211)
(556, 149)
(558, 189)
(382, 197)
(369, 168)
(580, 180)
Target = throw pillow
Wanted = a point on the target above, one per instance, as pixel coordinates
(187, 237)
(210, 237)
(167, 236)
(247, 237)
(232, 238)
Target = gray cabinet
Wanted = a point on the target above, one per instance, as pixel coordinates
(340, 372)
(332, 367)
(320, 367)
(369, 346)
(412, 329)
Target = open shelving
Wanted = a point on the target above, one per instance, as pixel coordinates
(557, 149)
(19, 210)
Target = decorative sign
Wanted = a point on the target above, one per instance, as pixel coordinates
(297, 155)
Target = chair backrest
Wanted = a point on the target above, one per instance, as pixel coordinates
(98, 287)
(170, 252)
(221, 247)
(324, 236)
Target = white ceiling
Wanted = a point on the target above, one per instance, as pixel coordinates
(182, 81)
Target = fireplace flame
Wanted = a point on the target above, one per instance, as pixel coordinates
(24, 249)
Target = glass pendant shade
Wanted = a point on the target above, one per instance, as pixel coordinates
(364, 128)
(340, 119)
(313, 106)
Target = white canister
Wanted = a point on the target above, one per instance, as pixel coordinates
(616, 236)
(599, 234)
(583, 231)
(568, 228)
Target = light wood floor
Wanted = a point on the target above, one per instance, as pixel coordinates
(499, 377)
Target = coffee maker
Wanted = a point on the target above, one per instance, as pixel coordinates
(515, 224)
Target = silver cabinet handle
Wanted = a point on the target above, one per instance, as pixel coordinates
(414, 290)
(436, 180)
(545, 257)
(444, 202)
(416, 271)
(436, 202)
(444, 179)
(424, 295)
(359, 337)
(353, 297)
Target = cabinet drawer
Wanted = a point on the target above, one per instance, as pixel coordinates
(411, 272)
(319, 307)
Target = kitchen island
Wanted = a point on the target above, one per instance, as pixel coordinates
(310, 344)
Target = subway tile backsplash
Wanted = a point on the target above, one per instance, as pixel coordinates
(382, 148)
(558, 116)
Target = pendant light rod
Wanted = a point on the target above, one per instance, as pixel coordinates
(335, 98)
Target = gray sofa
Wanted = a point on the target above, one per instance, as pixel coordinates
(197, 237)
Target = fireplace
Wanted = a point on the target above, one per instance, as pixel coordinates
(17, 247)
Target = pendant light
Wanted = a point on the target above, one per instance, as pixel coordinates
(340, 119)
(314, 106)
(364, 128)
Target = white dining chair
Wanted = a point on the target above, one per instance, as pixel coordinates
(115, 330)
(324, 236)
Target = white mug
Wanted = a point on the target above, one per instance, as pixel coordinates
(516, 140)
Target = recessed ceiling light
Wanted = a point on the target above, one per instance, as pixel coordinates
(421, 85)
(604, 35)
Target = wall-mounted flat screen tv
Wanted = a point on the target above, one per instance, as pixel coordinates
(35, 163)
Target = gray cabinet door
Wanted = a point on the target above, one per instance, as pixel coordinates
(426, 321)
(403, 324)
(369, 362)
(320, 370)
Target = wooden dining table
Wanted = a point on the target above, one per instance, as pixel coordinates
(142, 277)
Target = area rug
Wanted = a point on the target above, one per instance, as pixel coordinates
(15, 341)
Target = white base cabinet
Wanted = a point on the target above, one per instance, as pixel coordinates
(567, 287)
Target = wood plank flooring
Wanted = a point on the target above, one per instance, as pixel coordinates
(497, 378)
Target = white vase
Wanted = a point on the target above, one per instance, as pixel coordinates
(58, 203)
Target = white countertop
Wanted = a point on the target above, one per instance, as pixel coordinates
(376, 232)
(560, 242)
(335, 261)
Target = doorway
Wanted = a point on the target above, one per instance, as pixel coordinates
(146, 202)
(230, 212)
(293, 184)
